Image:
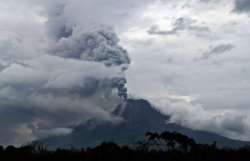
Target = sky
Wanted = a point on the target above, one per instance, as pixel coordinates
(63, 62)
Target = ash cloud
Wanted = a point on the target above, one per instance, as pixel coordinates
(77, 74)
(98, 45)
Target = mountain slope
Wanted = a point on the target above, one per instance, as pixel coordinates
(140, 117)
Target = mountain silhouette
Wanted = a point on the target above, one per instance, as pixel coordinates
(139, 118)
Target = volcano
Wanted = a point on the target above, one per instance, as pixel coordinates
(139, 117)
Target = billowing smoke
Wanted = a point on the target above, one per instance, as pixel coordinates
(99, 45)
(92, 43)
(76, 75)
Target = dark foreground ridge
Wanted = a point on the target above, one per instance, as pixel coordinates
(139, 117)
(165, 146)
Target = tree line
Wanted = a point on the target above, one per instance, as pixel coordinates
(165, 146)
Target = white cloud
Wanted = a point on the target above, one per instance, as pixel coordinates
(218, 86)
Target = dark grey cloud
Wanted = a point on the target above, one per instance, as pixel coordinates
(99, 45)
(95, 43)
(180, 24)
(216, 50)
(242, 6)
(72, 73)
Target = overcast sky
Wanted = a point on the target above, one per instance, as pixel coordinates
(189, 58)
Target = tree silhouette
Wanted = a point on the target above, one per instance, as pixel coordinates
(165, 146)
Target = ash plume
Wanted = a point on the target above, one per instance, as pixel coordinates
(75, 75)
